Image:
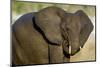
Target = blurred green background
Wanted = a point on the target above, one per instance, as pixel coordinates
(86, 54)
(20, 8)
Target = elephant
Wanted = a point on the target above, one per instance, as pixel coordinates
(50, 35)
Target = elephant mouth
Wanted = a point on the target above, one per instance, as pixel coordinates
(67, 49)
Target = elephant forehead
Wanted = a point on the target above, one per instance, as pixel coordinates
(73, 22)
(76, 20)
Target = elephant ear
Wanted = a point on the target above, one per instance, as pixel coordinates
(86, 27)
(48, 23)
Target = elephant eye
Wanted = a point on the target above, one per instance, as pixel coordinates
(67, 29)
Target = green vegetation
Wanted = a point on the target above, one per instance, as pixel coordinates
(19, 8)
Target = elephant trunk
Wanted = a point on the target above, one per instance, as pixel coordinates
(65, 46)
(75, 47)
(71, 47)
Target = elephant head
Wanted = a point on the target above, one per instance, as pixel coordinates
(76, 29)
(68, 29)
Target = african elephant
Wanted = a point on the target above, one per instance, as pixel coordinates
(45, 36)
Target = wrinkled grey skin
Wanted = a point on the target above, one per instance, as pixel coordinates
(64, 28)
(45, 36)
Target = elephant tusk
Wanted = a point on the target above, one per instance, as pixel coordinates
(69, 49)
(80, 47)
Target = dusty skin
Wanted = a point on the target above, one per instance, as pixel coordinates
(33, 43)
